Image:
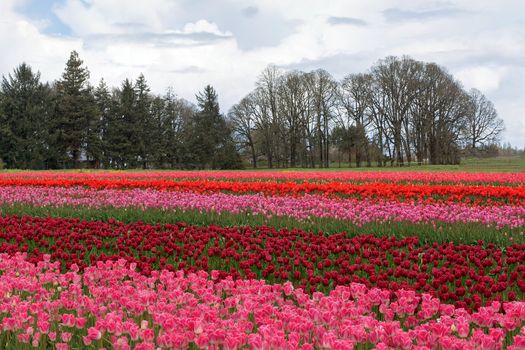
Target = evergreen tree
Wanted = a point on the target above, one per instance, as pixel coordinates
(212, 136)
(144, 125)
(99, 150)
(178, 134)
(206, 128)
(25, 108)
(158, 142)
(121, 133)
(76, 110)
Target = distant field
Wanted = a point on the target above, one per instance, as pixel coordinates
(499, 164)
(495, 164)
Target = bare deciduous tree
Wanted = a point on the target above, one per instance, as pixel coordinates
(354, 99)
(242, 118)
(483, 126)
(401, 110)
(323, 88)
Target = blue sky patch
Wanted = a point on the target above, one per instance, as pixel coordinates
(42, 11)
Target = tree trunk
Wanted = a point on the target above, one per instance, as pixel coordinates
(254, 157)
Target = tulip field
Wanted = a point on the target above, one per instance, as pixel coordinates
(262, 260)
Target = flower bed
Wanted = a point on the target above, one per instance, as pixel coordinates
(316, 176)
(111, 305)
(390, 191)
(355, 211)
(239, 260)
(467, 276)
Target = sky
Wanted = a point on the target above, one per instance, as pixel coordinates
(187, 44)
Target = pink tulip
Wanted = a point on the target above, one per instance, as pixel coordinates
(61, 346)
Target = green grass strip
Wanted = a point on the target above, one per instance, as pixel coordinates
(466, 233)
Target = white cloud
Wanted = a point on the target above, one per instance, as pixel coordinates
(22, 41)
(203, 26)
(115, 16)
(187, 44)
(486, 79)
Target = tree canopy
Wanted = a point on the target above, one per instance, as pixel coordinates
(400, 111)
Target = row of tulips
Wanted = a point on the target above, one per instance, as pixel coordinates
(353, 176)
(111, 305)
(307, 207)
(463, 275)
(390, 191)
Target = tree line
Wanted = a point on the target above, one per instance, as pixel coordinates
(400, 111)
(71, 124)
